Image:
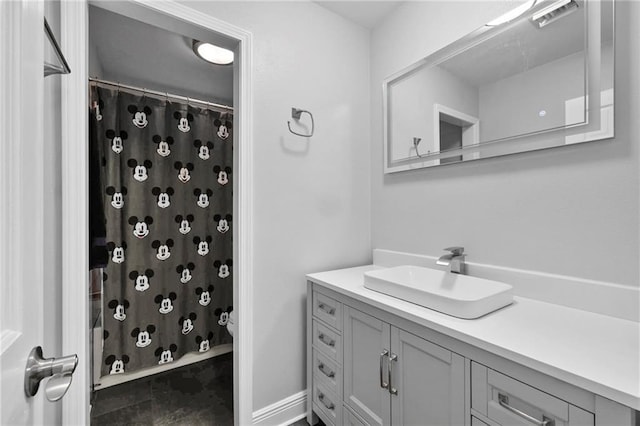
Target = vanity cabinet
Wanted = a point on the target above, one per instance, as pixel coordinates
(370, 365)
(394, 377)
(367, 371)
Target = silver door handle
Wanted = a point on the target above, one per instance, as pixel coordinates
(383, 384)
(393, 357)
(329, 342)
(60, 371)
(504, 402)
(327, 309)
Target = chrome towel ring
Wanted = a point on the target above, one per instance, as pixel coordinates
(296, 113)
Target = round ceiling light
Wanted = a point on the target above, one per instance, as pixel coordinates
(212, 53)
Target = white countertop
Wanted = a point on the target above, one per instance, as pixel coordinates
(598, 353)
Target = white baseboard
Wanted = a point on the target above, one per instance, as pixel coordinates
(283, 412)
(600, 297)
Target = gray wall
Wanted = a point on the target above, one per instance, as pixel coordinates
(570, 210)
(311, 198)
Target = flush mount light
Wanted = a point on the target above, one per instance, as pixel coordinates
(513, 14)
(212, 53)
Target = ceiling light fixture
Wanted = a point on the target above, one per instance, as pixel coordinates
(212, 53)
(513, 14)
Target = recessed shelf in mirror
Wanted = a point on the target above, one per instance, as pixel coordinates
(528, 83)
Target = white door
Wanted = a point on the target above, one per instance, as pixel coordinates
(22, 210)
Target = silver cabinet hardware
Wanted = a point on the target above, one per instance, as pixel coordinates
(383, 384)
(327, 309)
(329, 342)
(504, 403)
(392, 357)
(60, 371)
(323, 369)
(331, 406)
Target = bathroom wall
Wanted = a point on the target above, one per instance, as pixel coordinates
(572, 210)
(311, 196)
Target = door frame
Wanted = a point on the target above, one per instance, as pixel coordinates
(75, 277)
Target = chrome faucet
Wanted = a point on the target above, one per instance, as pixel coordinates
(455, 260)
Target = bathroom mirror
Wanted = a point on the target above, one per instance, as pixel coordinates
(540, 76)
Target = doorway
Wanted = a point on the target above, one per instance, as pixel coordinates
(174, 16)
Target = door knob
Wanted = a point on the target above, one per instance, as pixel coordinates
(60, 371)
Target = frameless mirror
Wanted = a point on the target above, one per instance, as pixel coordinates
(538, 77)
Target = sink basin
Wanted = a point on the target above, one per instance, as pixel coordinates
(457, 295)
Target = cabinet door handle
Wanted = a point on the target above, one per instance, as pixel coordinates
(329, 310)
(323, 369)
(329, 342)
(504, 402)
(383, 384)
(331, 406)
(392, 357)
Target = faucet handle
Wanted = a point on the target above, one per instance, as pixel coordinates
(456, 251)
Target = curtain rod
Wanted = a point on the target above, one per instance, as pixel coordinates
(157, 93)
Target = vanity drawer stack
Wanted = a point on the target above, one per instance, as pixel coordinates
(497, 399)
(326, 344)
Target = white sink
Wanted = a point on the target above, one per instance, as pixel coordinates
(457, 295)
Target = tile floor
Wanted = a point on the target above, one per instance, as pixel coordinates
(197, 394)
(194, 395)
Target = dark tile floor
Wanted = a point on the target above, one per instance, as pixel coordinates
(197, 394)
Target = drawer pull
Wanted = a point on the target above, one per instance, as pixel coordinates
(383, 384)
(323, 368)
(392, 357)
(328, 342)
(330, 406)
(504, 403)
(327, 309)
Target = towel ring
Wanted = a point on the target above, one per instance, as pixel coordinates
(296, 113)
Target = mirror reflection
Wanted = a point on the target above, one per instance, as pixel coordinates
(506, 80)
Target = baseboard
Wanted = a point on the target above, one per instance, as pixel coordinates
(283, 412)
(604, 298)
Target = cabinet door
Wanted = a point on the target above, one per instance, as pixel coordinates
(365, 339)
(429, 381)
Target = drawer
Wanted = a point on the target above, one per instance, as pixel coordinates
(507, 401)
(327, 371)
(327, 341)
(327, 405)
(327, 310)
(477, 422)
(349, 418)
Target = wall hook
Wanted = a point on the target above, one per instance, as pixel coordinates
(296, 113)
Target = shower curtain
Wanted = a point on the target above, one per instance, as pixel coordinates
(165, 173)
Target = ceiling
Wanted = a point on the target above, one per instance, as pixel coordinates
(135, 53)
(364, 13)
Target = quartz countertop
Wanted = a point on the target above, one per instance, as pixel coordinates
(595, 352)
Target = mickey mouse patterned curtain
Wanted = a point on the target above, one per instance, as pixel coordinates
(166, 181)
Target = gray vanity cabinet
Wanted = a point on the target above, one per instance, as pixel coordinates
(392, 377)
(367, 366)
